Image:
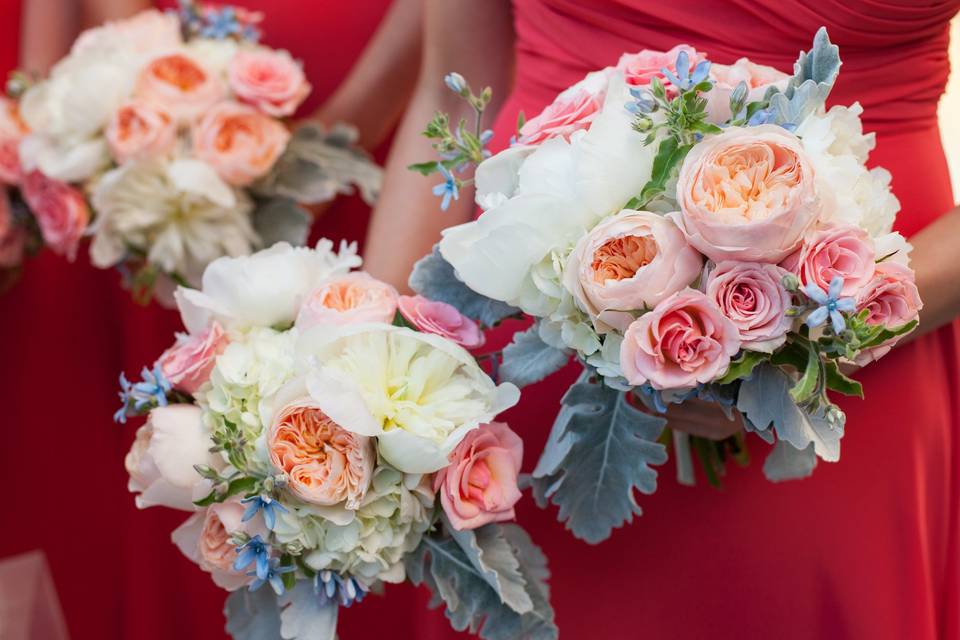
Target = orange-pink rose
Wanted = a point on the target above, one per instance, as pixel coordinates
(239, 142)
(892, 300)
(271, 81)
(12, 131)
(188, 363)
(751, 295)
(568, 113)
(684, 341)
(442, 319)
(60, 210)
(140, 130)
(353, 298)
(179, 86)
(838, 250)
(480, 485)
(324, 463)
(747, 194)
(757, 77)
(640, 68)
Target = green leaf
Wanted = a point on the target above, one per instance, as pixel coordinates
(424, 168)
(240, 485)
(888, 334)
(669, 154)
(837, 381)
(207, 500)
(804, 389)
(521, 120)
(742, 366)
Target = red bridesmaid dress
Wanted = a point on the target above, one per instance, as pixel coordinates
(865, 549)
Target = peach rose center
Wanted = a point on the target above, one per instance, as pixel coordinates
(178, 71)
(621, 258)
(749, 182)
(131, 125)
(343, 296)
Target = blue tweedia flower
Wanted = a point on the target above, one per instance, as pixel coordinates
(269, 506)
(652, 398)
(448, 188)
(455, 82)
(332, 586)
(274, 575)
(254, 550)
(684, 79)
(643, 101)
(221, 24)
(138, 397)
(830, 305)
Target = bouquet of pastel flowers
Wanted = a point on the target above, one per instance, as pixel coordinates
(165, 137)
(329, 436)
(686, 230)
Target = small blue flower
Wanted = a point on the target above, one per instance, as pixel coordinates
(221, 24)
(274, 575)
(254, 550)
(455, 82)
(137, 398)
(332, 586)
(759, 117)
(269, 506)
(684, 79)
(830, 305)
(643, 101)
(448, 188)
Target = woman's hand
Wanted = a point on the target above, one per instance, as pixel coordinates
(704, 419)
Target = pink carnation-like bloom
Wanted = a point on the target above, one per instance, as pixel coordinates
(640, 68)
(841, 250)
(480, 485)
(684, 341)
(61, 212)
(140, 130)
(12, 131)
(892, 300)
(239, 142)
(353, 298)
(568, 113)
(179, 86)
(441, 319)
(188, 363)
(271, 81)
(751, 295)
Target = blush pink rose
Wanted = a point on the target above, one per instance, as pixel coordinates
(480, 484)
(239, 142)
(353, 298)
(188, 363)
(12, 235)
(640, 68)
(324, 463)
(684, 341)
(751, 295)
(60, 210)
(568, 113)
(271, 81)
(140, 130)
(892, 300)
(839, 250)
(726, 77)
(747, 194)
(629, 262)
(442, 319)
(180, 86)
(12, 131)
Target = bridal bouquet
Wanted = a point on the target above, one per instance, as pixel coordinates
(686, 230)
(165, 137)
(327, 436)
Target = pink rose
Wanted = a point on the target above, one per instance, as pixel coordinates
(353, 298)
(751, 295)
(205, 539)
(442, 319)
(188, 363)
(747, 194)
(139, 130)
(480, 485)
(629, 262)
(567, 114)
(892, 300)
(640, 68)
(12, 131)
(12, 235)
(271, 81)
(684, 341)
(841, 250)
(179, 86)
(757, 77)
(324, 463)
(61, 212)
(239, 142)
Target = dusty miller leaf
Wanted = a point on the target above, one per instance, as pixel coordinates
(528, 359)
(252, 615)
(600, 449)
(281, 219)
(786, 462)
(491, 554)
(304, 617)
(433, 277)
(814, 74)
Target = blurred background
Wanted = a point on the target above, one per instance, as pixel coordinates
(950, 111)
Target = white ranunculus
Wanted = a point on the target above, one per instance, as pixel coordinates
(497, 177)
(68, 162)
(264, 289)
(161, 460)
(180, 214)
(418, 393)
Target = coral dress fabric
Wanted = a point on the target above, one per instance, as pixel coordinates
(867, 548)
(66, 332)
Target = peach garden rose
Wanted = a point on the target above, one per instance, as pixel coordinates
(352, 298)
(239, 142)
(12, 131)
(180, 86)
(140, 130)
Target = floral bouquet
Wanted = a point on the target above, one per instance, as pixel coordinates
(686, 230)
(328, 436)
(165, 137)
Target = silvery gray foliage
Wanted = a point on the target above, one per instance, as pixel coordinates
(600, 450)
(765, 401)
(434, 278)
(491, 554)
(281, 219)
(252, 615)
(813, 76)
(785, 462)
(528, 359)
(319, 164)
(304, 617)
(472, 600)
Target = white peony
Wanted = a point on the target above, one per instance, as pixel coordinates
(179, 213)
(213, 55)
(264, 289)
(418, 393)
(147, 33)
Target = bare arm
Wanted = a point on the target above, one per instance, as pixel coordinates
(476, 40)
(379, 85)
(938, 275)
